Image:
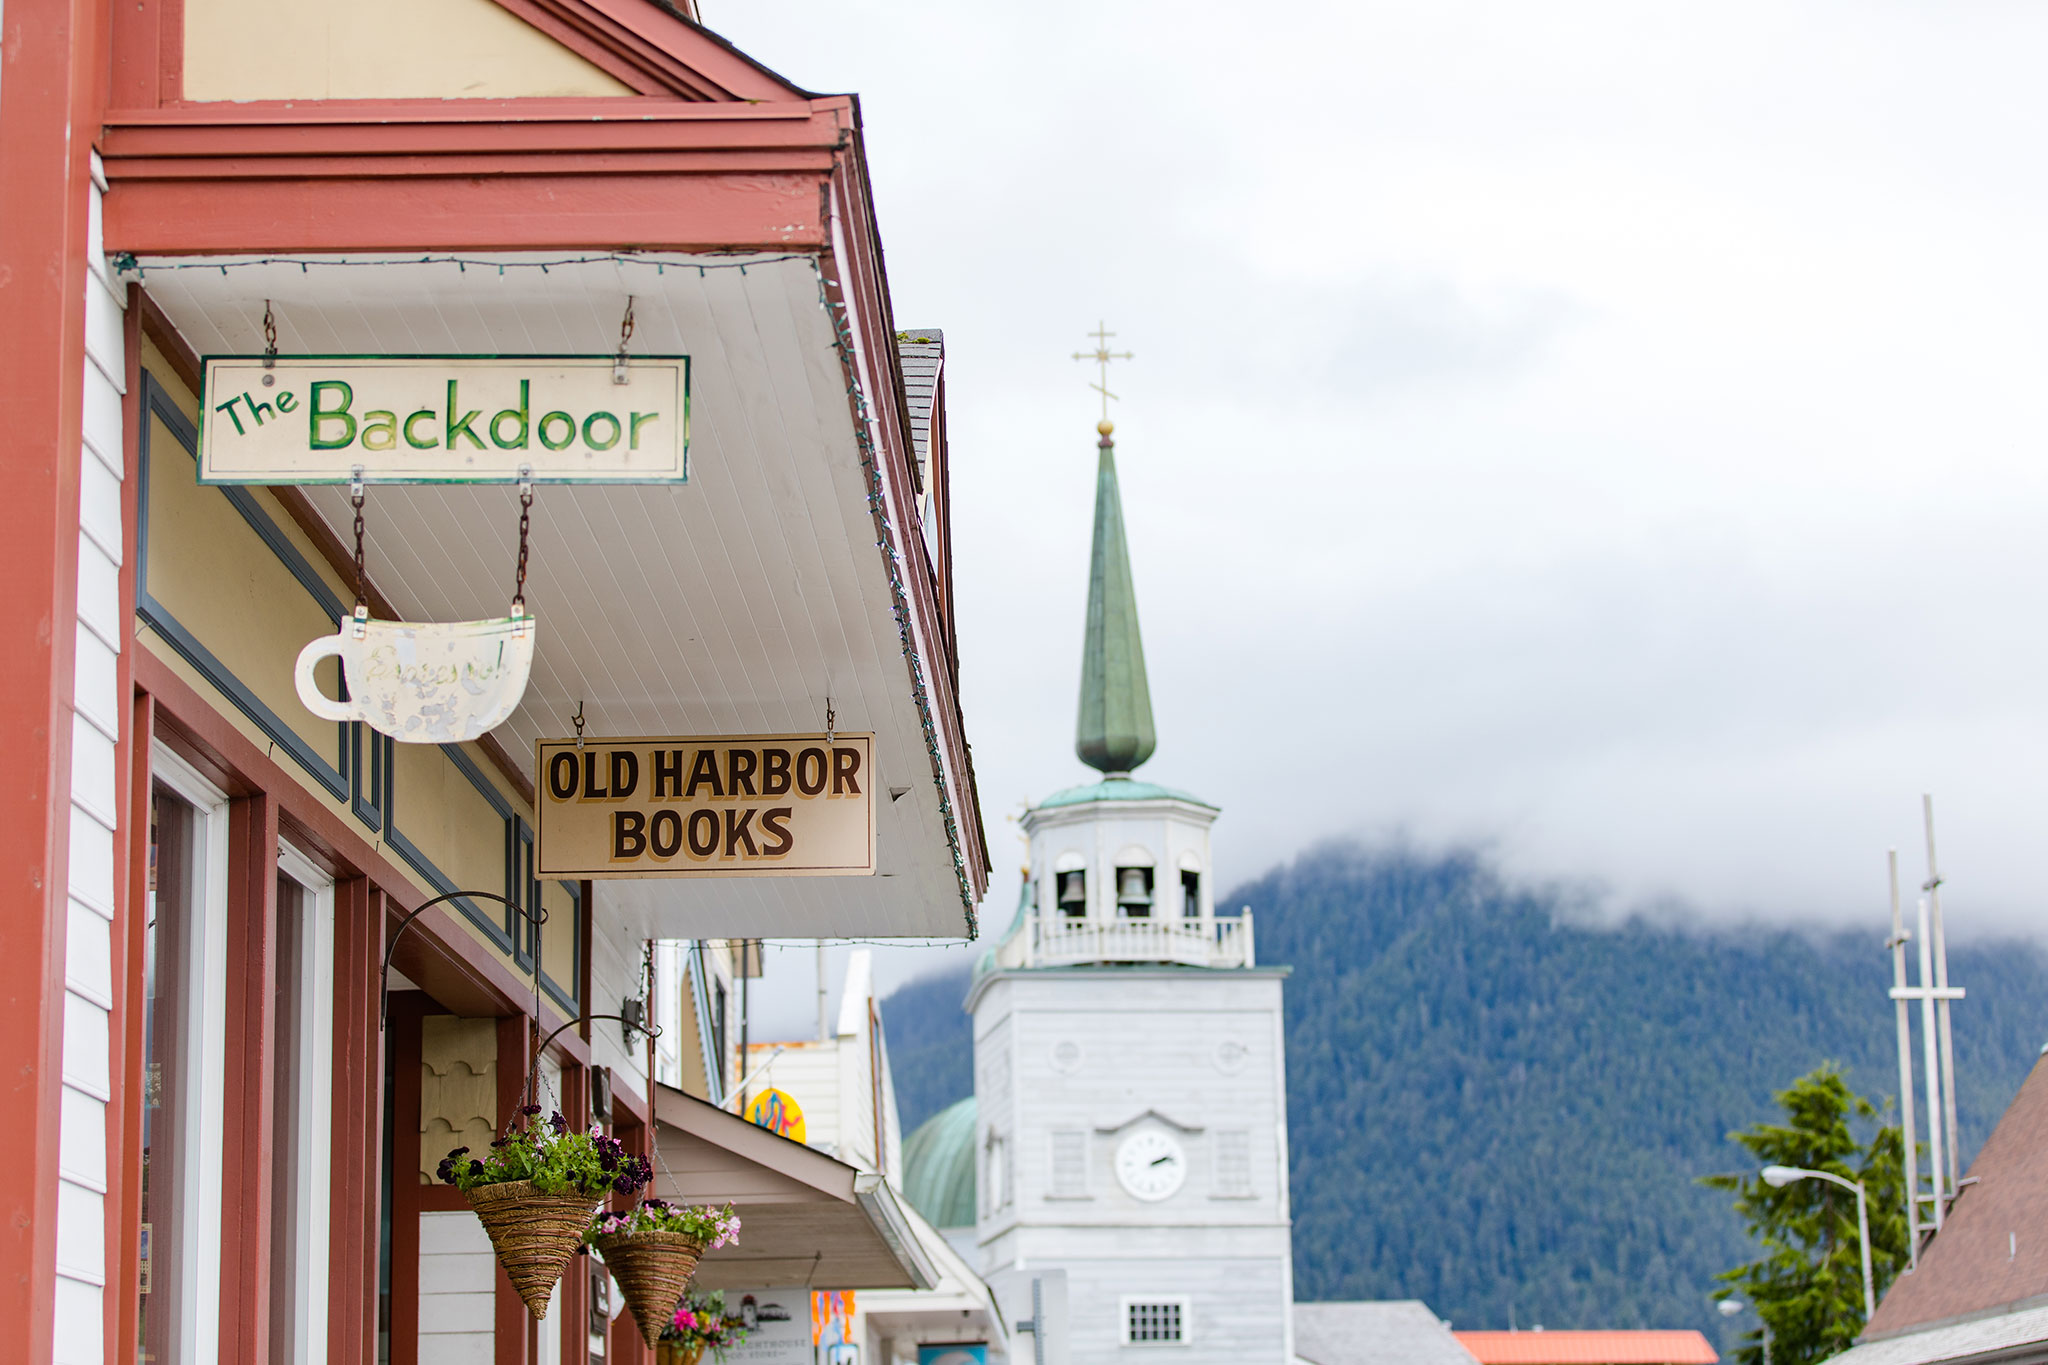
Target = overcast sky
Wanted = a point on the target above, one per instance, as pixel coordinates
(1613, 432)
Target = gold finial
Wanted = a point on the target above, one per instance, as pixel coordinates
(1105, 426)
(1102, 355)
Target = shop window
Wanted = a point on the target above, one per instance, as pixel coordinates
(1190, 894)
(302, 1053)
(1134, 892)
(183, 1066)
(1155, 1321)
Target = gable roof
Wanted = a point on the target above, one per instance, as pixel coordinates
(655, 47)
(1391, 1332)
(924, 354)
(1990, 1254)
(1588, 1348)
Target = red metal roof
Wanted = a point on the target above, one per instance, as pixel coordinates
(1588, 1348)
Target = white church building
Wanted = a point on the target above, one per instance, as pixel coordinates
(1128, 1132)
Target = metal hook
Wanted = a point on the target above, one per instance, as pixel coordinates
(577, 720)
(539, 916)
(830, 716)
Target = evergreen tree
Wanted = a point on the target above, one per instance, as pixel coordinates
(1807, 1287)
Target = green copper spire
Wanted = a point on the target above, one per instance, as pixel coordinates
(1115, 730)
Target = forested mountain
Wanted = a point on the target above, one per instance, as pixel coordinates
(1499, 1108)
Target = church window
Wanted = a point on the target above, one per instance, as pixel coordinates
(1234, 1163)
(1074, 894)
(1190, 894)
(1134, 892)
(1155, 1322)
(1070, 1164)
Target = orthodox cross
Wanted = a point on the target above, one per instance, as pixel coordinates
(1102, 355)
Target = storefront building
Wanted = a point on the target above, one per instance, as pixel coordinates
(222, 1124)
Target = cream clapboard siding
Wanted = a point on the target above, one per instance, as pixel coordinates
(95, 731)
(458, 1299)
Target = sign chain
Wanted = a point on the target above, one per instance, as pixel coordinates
(525, 520)
(269, 345)
(619, 375)
(355, 498)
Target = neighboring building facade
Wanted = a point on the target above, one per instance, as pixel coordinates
(1129, 1126)
(220, 1139)
(1382, 1332)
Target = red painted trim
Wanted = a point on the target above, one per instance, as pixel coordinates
(358, 1137)
(49, 57)
(512, 1323)
(407, 1007)
(251, 1028)
(124, 1114)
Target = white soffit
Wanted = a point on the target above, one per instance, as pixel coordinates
(736, 603)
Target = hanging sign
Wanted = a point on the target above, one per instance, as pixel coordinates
(723, 806)
(423, 682)
(778, 1112)
(444, 419)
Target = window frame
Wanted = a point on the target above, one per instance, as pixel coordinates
(312, 1193)
(1184, 1303)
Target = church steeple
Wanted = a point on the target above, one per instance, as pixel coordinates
(1114, 734)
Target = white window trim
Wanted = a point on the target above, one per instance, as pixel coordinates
(1187, 1321)
(206, 1016)
(316, 1100)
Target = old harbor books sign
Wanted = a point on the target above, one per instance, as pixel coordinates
(723, 806)
(444, 419)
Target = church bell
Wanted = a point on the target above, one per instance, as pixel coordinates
(1131, 888)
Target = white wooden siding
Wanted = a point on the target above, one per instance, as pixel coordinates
(458, 1279)
(615, 975)
(82, 1268)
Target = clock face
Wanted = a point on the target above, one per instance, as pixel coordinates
(1150, 1165)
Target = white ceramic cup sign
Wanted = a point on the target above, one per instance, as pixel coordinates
(424, 682)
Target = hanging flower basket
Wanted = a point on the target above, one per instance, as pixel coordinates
(700, 1324)
(677, 1353)
(535, 1192)
(534, 1235)
(652, 1251)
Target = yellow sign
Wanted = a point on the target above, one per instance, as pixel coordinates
(721, 806)
(778, 1112)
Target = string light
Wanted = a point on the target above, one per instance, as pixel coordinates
(842, 343)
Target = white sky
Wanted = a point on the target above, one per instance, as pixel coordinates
(1610, 431)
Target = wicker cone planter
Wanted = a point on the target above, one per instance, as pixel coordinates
(676, 1353)
(533, 1234)
(653, 1269)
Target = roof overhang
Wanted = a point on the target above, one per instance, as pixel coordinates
(788, 573)
(805, 1219)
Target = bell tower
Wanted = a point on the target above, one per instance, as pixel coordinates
(1130, 1078)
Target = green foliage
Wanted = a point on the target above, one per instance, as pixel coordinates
(554, 1159)
(1807, 1287)
(1499, 1103)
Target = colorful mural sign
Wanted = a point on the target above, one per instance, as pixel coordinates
(832, 1318)
(779, 1113)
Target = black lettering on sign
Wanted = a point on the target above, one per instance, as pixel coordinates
(703, 773)
(775, 824)
(774, 772)
(739, 771)
(665, 833)
(706, 821)
(810, 771)
(591, 791)
(625, 773)
(668, 773)
(562, 776)
(629, 834)
(845, 764)
(737, 832)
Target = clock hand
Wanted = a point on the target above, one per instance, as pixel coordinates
(1161, 1161)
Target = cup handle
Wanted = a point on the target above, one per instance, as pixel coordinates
(316, 701)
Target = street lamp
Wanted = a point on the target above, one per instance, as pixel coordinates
(1730, 1307)
(1778, 1177)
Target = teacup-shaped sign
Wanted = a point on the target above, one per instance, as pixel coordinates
(424, 682)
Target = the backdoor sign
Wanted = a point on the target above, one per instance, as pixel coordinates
(707, 806)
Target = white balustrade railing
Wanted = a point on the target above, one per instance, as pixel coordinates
(1056, 941)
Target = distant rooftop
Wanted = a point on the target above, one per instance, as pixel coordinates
(1374, 1333)
(924, 353)
(1588, 1348)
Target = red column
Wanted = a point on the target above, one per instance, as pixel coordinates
(359, 1123)
(50, 63)
(246, 1136)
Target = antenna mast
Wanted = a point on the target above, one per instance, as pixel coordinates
(1934, 994)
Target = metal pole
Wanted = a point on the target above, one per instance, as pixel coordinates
(1941, 1007)
(1907, 1104)
(1863, 1233)
(1936, 1168)
(1037, 1321)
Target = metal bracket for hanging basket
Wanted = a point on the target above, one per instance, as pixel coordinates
(632, 1026)
(537, 917)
